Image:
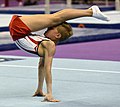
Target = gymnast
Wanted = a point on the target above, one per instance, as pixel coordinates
(22, 28)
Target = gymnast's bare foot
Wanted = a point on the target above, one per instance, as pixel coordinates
(49, 98)
(39, 94)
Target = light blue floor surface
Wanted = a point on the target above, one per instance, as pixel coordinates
(77, 83)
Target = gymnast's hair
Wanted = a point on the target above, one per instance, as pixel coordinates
(65, 30)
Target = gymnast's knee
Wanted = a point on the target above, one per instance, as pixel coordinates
(56, 19)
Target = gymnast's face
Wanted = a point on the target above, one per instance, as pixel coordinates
(52, 33)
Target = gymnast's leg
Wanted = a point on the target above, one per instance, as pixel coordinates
(38, 22)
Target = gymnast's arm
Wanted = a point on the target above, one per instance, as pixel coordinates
(48, 53)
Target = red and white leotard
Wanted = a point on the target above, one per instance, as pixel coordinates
(30, 43)
(23, 37)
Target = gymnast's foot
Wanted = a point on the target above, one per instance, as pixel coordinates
(39, 94)
(98, 14)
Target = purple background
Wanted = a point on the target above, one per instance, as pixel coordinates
(98, 50)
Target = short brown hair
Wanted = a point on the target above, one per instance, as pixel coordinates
(65, 30)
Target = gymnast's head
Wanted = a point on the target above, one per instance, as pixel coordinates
(60, 32)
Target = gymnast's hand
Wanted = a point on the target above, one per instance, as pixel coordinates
(39, 94)
(49, 98)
